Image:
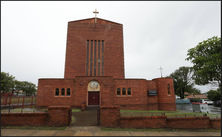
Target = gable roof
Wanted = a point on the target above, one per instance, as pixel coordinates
(92, 20)
(196, 96)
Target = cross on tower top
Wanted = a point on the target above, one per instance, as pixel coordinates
(161, 71)
(95, 15)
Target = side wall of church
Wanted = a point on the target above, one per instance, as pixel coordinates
(166, 95)
(139, 99)
(46, 92)
(76, 50)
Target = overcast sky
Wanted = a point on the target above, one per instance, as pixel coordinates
(156, 33)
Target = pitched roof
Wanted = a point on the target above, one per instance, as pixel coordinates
(196, 96)
(92, 20)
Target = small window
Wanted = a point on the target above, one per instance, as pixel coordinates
(124, 91)
(68, 92)
(168, 88)
(63, 92)
(118, 91)
(57, 92)
(129, 91)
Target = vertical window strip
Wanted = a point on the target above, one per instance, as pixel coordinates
(123, 91)
(68, 92)
(168, 88)
(118, 91)
(63, 92)
(91, 56)
(87, 58)
(102, 57)
(95, 58)
(57, 92)
(98, 57)
(129, 91)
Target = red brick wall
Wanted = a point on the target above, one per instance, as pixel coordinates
(58, 116)
(188, 122)
(166, 101)
(152, 100)
(138, 100)
(81, 31)
(215, 123)
(143, 122)
(46, 92)
(24, 119)
(138, 92)
(110, 116)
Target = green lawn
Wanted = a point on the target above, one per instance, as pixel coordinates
(169, 114)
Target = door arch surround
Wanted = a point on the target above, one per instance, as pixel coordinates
(93, 93)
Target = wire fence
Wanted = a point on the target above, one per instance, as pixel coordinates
(10, 100)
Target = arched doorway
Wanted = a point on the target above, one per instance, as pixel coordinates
(93, 93)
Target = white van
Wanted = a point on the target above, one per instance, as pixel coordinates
(206, 101)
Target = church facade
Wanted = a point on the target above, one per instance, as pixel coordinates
(94, 73)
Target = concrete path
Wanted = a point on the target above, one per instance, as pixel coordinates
(95, 131)
(87, 117)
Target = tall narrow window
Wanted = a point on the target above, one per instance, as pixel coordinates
(57, 92)
(168, 88)
(123, 91)
(98, 57)
(118, 91)
(102, 57)
(91, 56)
(87, 57)
(68, 92)
(129, 91)
(95, 58)
(63, 92)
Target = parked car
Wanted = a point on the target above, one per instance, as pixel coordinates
(206, 101)
(217, 103)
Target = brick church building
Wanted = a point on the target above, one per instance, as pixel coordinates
(94, 73)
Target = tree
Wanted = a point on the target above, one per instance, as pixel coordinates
(28, 87)
(18, 86)
(7, 82)
(214, 95)
(182, 79)
(206, 59)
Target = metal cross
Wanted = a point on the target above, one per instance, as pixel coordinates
(95, 15)
(161, 71)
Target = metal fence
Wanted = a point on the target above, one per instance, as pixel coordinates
(8, 99)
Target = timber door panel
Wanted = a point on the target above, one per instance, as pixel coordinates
(93, 98)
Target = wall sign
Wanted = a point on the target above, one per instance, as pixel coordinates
(152, 92)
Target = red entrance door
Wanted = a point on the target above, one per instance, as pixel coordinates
(93, 98)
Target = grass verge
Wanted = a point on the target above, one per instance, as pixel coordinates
(33, 127)
(76, 110)
(169, 114)
(161, 130)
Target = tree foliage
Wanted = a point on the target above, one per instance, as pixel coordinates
(28, 87)
(182, 79)
(7, 82)
(206, 59)
(214, 95)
